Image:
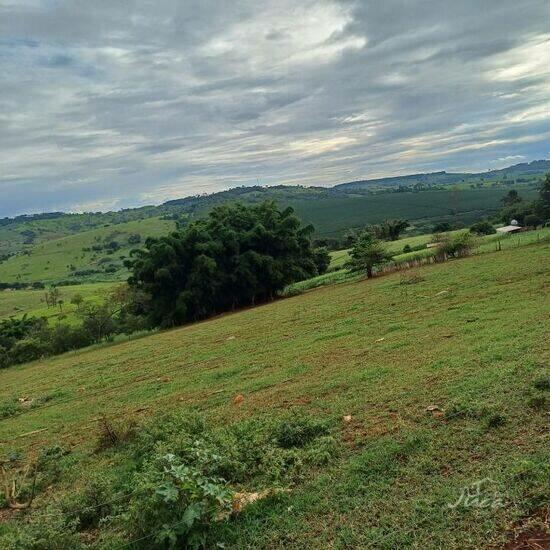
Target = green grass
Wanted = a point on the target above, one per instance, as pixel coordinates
(51, 261)
(487, 243)
(470, 338)
(16, 303)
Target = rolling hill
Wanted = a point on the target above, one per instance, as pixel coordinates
(423, 198)
(89, 255)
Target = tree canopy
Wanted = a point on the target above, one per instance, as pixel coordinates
(367, 252)
(235, 257)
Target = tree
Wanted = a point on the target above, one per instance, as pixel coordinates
(391, 229)
(135, 238)
(52, 297)
(483, 228)
(442, 227)
(77, 300)
(532, 220)
(511, 198)
(367, 253)
(237, 256)
(97, 320)
(458, 245)
(542, 204)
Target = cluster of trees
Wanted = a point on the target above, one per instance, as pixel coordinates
(527, 213)
(237, 256)
(30, 338)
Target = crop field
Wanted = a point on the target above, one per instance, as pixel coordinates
(333, 216)
(427, 388)
(74, 256)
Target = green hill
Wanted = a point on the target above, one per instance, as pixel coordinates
(88, 256)
(423, 198)
(364, 410)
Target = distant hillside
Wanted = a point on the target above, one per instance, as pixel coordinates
(537, 167)
(422, 198)
(94, 255)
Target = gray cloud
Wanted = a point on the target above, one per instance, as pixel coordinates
(107, 104)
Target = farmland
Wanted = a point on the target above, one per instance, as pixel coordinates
(15, 303)
(83, 256)
(438, 386)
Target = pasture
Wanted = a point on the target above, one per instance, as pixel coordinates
(83, 256)
(427, 388)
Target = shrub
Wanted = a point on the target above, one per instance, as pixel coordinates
(29, 349)
(458, 245)
(483, 228)
(177, 502)
(298, 431)
(134, 238)
(407, 248)
(64, 338)
(542, 384)
(8, 408)
(532, 220)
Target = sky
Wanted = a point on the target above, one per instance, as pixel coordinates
(109, 104)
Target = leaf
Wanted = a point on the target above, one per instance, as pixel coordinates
(168, 492)
(191, 514)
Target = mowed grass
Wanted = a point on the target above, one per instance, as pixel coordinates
(16, 303)
(61, 259)
(471, 339)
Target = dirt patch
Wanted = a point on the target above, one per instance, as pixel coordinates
(532, 533)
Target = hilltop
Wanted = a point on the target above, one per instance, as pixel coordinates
(524, 169)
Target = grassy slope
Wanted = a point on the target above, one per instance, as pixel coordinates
(15, 303)
(471, 336)
(50, 260)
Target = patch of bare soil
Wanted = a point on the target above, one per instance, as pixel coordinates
(532, 533)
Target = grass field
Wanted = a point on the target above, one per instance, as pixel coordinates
(469, 339)
(16, 303)
(63, 259)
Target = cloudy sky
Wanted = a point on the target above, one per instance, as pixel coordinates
(108, 103)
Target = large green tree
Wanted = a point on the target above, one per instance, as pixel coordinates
(235, 257)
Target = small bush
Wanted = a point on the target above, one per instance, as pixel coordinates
(177, 501)
(298, 431)
(483, 228)
(456, 246)
(8, 408)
